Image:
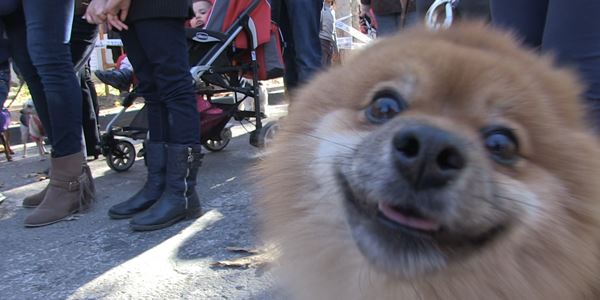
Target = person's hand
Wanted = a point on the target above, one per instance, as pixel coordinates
(94, 14)
(116, 12)
(196, 22)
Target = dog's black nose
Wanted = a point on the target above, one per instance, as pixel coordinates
(428, 157)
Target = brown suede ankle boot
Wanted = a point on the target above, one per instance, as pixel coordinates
(71, 189)
(35, 199)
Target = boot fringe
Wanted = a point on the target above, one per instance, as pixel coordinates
(87, 190)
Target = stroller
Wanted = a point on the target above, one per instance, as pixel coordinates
(239, 47)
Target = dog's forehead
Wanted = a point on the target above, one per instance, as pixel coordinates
(457, 79)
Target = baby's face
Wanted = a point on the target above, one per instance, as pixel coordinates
(201, 11)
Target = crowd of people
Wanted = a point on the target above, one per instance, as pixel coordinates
(59, 36)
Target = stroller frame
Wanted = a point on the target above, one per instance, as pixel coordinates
(205, 67)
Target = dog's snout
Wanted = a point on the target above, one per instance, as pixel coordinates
(428, 157)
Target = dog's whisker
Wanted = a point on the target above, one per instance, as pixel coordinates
(321, 139)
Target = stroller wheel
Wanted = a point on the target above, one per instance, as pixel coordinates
(121, 157)
(218, 145)
(264, 137)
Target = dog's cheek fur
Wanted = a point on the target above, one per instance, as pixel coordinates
(315, 220)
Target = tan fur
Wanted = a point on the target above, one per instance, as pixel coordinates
(461, 79)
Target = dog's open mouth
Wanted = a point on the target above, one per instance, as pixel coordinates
(405, 229)
(407, 218)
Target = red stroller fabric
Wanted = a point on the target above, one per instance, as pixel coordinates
(269, 54)
(261, 16)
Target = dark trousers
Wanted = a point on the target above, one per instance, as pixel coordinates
(4, 82)
(568, 29)
(83, 37)
(300, 22)
(326, 52)
(157, 49)
(47, 68)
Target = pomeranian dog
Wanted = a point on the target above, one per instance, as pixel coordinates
(436, 165)
(31, 128)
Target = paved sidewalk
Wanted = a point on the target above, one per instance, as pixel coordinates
(98, 258)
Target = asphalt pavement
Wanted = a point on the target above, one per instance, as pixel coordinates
(94, 257)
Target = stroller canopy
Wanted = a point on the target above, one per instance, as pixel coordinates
(225, 13)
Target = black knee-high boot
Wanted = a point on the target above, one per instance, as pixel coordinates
(156, 158)
(179, 201)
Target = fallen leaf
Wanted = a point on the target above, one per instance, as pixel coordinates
(256, 261)
(243, 250)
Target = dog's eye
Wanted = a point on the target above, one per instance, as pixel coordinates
(385, 106)
(502, 145)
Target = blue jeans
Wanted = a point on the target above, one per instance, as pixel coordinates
(157, 49)
(48, 70)
(300, 25)
(568, 29)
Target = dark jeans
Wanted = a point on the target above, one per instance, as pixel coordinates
(567, 29)
(52, 82)
(157, 49)
(300, 22)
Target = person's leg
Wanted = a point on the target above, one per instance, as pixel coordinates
(387, 24)
(526, 18)
(91, 133)
(17, 35)
(326, 52)
(4, 66)
(146, 88)
(4, 82)
(412, 19)
(155, 146)
(574, 39)
(163, 41)
(83, 38)
(304, 18)
(290, 77)
(48, 33)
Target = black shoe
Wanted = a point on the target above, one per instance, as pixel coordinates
(156, 156)
(119, 79)
(179, 200)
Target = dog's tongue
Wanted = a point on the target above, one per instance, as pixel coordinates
(408, 221)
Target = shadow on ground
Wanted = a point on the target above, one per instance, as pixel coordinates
(95, 257)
